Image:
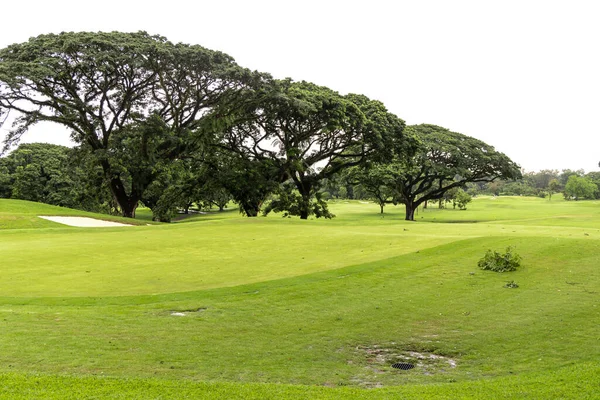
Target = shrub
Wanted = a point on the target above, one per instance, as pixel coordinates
(511, 285)
(461, 199)
(494, 261)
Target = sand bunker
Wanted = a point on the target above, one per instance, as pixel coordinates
(83, 222)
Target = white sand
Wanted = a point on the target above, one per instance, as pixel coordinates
(83, 222)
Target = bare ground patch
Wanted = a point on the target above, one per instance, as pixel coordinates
(183, 313)
(380, 358)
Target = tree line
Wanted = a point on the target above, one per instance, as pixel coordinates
(170, 125)
(573, 184)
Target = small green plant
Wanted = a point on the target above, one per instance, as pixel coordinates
(511, 285)
(461, 199)
(494, 261)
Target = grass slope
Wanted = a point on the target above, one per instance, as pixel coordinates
(319, 303)
(577, 382)
(21, 214)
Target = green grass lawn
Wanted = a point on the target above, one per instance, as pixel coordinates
(221, 306)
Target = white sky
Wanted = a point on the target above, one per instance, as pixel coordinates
(521, 75)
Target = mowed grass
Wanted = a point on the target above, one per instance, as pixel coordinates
(216, 252)
(176, 308)
(20, 214)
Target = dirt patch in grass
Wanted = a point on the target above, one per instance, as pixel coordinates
(183, 313)
(381, 357)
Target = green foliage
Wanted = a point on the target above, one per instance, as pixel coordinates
(462, 198)
(290, 202)
(310, 133)
(553, 187)
(166, 207)
(133, 100)
(440, 161)
(52, 174)
(494, 261)
(579, 187)
(541, 184)
(511, 285)
(594, 176)
(376, 180)
(565, 174)
(5, 180)
(517, 188)
(249, 181)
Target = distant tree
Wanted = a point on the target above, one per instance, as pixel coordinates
(216, 196)
(212, 192)
(594, 176)
(495, 187)
(563, 177)
(461, 199)
(376, 179)
(518, 188)
(445, 160)
(39, 172)
(578, 187)
(249, 181)
(337, 186)
(449, 196)
(541, 179)
(5, 180)
(553, 187)
(50, 174)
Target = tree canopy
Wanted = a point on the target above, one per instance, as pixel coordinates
(172, 124)
(579, 187)
(51, 174)
(443, 160)
(104, 84)
(309, 133)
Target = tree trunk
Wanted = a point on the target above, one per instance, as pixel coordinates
(250, 210)
(305, 206)
(127, 204)
(381, 207)
(410, 210)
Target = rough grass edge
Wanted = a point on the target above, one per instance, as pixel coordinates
(573, 382)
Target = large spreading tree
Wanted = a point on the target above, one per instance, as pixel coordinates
(309, 133)
(119, 93)
(446, 160)
(443, 160)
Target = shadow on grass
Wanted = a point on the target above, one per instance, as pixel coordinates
(206, 216)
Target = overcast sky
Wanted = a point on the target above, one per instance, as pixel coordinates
(523, 76)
